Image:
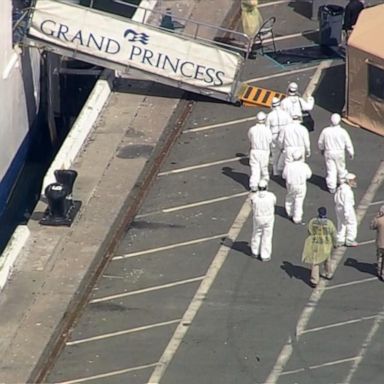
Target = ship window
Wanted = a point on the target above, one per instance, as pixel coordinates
(375, 81)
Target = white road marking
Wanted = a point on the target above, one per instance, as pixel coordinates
(220, 125)
(365, 346)
(314, 299)
(199, 166)
(350, 283)
(193, 205)
(340, 324)
(281, 74)
(316, 77)
(120, 333)
(109, 374)
(377, 202)
(274, 3)
(366, 242)
(200, 296)
(328, 364)
(171, 246)
(146, 290)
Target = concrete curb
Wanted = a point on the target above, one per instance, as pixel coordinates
(11, 252)
(81, 128)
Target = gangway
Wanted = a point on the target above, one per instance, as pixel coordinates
(200, 58)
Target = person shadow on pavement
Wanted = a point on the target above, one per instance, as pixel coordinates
(369, 268)
(297, 271)
(239, 177)
(319, 181)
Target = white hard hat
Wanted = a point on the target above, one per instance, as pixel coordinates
(347, 177)
(292, 88)
(261, 116)
(262, 184)
(335, 119)
(350, 176)
(275, 102)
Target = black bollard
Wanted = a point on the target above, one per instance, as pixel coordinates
(61, 208)
(66, 177)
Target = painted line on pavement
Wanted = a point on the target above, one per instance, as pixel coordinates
(350, 283)
(205, 165)
(194, 205)
(120, 333)
(109, 374)
(377, 202)
(340, 324)
(274, 3)
(328, 364)
(281, 74)
(146, 290)
(365, 346)
(200, 296)
(220, 125)
(314, 299)
(171, 246)
(366, 242)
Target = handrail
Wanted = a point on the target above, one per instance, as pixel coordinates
(245, 41)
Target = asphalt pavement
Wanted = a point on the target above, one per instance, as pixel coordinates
(116, 166)
(181, 299)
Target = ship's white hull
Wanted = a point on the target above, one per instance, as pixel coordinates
(19, 101)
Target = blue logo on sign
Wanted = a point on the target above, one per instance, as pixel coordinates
(133, 36)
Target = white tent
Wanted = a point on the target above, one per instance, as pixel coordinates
(365, 71)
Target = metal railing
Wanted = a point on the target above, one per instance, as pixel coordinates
(197, 30)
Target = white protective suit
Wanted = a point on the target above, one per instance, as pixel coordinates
(263, 207)
(296, 175)
(260, 139)
(293, 138)
(277, 120)
(345, 213)
(295, 104)
(333, 142)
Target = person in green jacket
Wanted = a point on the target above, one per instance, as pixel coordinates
(318, 246)
(250, 17)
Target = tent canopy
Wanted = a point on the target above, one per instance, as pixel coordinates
(369, 31)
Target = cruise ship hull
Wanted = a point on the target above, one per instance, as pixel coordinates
(19, 100)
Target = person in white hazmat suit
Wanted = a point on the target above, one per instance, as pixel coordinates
(294, 104)
(260, 139)
(333, 142)
(345, 212)
(296, 174)
(294, 137)
(277, 120)
(263, 208)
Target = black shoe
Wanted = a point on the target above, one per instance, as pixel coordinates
(312, 285)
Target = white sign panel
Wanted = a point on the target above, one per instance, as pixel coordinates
(129, 43)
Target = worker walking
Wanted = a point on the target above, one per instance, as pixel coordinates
(351, 14)
(294, 137)
(277, 120)
(296, 174)
(377, 224)
(333, 142)
(345, 212)
(263, 207)
(260, 139)
(294, 104)
(318, 246)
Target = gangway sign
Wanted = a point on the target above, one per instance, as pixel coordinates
(119, 43)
